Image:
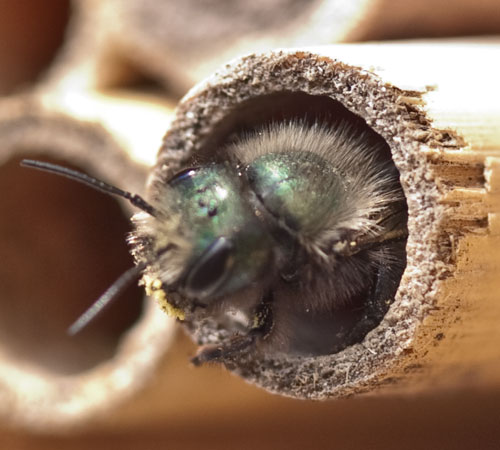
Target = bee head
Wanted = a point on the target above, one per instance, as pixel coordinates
(207, 242)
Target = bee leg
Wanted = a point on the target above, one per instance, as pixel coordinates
(262, 324)
(349, 246)
(224, 351)
(381, 296)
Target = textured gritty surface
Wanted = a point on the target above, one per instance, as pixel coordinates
(391, 113)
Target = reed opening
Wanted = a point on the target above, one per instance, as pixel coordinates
(62, 245)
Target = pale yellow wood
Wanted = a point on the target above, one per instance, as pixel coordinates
(137, 121)
(456, 81)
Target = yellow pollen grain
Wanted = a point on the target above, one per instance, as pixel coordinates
(154, 289)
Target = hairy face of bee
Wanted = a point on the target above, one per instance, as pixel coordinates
(225, 246)
(294, 244)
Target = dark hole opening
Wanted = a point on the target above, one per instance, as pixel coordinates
(256, 113)
(31, 33)
(121, 72)
(62, 245)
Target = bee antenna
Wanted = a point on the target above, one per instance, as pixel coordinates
(111, 294)
(99, 185)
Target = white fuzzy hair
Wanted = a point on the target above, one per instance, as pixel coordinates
(368, 179)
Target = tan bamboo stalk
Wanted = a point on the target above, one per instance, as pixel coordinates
(62, 245)
(437, 105)
(180, 43)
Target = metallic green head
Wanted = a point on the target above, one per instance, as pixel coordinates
(240, 223)
(230, 247)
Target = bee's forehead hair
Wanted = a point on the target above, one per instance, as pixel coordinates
(357, 159)
(339, 143)
(162, 242)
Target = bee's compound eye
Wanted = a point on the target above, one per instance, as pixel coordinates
(210, 271)
(182, 175)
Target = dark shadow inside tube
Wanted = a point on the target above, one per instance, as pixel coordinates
(31, 33)
(252, 115)
(62, 245)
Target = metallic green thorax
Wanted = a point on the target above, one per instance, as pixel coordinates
(300, 189)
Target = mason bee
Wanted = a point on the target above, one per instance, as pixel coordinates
(291, 243)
